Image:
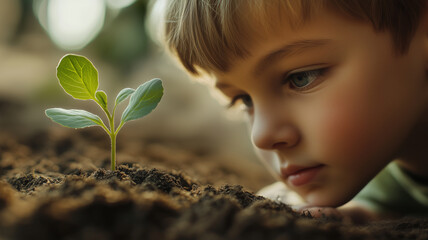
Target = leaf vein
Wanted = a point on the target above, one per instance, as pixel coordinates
(75, 69)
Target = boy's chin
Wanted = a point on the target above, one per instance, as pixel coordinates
(323, 198)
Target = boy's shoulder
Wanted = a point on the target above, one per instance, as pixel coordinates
(393, 190)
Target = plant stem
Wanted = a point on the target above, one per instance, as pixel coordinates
(113, 142)
(111, 132)
(113, 151)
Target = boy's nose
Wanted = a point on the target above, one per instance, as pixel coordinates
(270, 132)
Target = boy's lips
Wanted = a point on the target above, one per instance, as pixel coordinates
(299, 175)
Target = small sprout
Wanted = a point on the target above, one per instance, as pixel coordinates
(79, 78)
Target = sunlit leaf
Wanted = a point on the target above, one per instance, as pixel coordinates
(143, 100)
(102, 98)
(78, 76)
(73, 118)
(123, 95)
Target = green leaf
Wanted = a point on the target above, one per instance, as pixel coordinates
(102, 98)
(73, 118)
(78, 77)
(123, 95)
(143, 100)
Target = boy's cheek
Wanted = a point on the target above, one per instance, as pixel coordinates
(346, 129)
(345, 134)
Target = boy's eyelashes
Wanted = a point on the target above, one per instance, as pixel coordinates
(245, 98)
(304, 80)
(297, 81)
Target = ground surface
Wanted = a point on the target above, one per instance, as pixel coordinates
(54, 185)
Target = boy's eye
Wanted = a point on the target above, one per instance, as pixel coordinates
(303, 80)
(246, 100)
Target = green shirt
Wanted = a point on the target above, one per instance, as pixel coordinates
(394, 190)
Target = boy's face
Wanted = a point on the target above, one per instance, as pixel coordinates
(331, 101)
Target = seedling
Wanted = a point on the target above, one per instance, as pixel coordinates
(79, 78)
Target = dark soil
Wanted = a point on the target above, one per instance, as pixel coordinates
(54, 185)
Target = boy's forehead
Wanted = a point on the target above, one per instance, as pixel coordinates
(255, 32)
(287, 50)
(275, 37)
(280, 43)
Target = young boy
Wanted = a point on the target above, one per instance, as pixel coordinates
(336, 93)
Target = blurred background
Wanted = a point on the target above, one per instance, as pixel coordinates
(35, 34)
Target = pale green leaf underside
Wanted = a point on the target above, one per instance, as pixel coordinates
(123, 95)
(102, 98)
(73, 118)
(143, 100)
(78, 76)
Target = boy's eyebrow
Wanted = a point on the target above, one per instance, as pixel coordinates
(288, 50)
(284, 51)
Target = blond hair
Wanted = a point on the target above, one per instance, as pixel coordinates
(207, 34)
